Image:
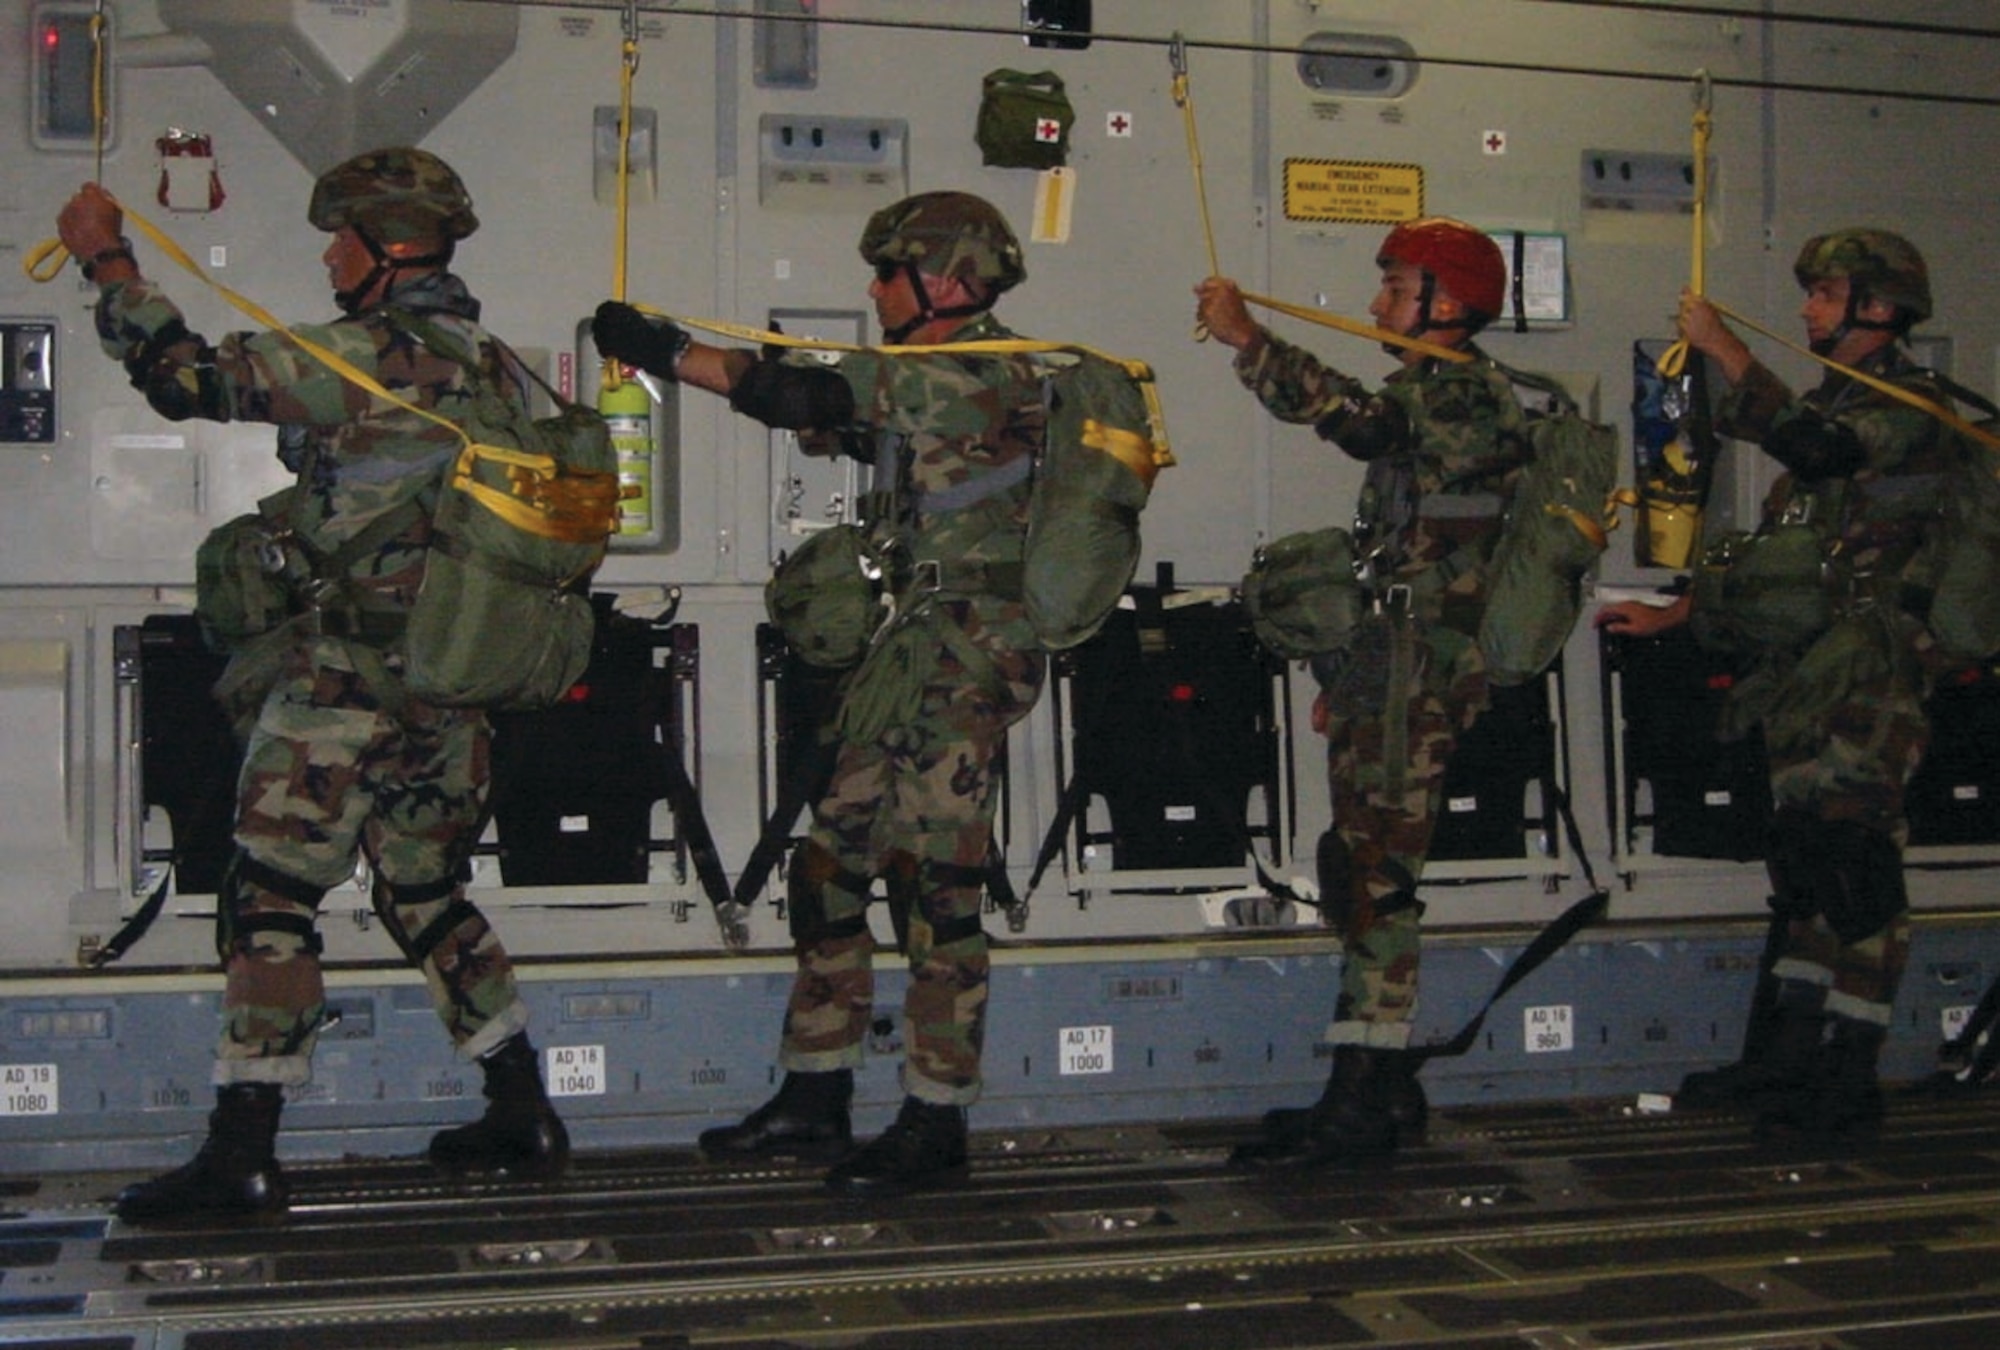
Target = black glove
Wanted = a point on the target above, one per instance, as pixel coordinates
(622, 332)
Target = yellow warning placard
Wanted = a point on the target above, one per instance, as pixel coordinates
(1361, 191)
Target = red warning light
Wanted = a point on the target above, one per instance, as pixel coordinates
(51, 38)
(1182, 692)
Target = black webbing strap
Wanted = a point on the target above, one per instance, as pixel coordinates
(1546, 943)
(1517, 281)
(135, 927)
(1980, 1066)
(807, 780)
(685, 803)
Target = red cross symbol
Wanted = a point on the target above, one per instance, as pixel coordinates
(1496, 142)
(1048, 129)
(1120, 124)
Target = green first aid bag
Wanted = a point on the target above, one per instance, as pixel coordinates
(1024, 120)
(1301, 594)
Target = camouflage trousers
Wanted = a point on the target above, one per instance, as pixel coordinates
(1386, 773)
(1853, 768)
(1851, 759)
(914, 806)
(342, 764)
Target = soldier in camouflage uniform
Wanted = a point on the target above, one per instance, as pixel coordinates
(1443, 442)
(1842, 714)
(341, 762)
(952, 440)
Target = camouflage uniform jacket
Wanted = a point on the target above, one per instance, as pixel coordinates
(954, 441)
(357, 458)
(1876, 517)
(1443, 442)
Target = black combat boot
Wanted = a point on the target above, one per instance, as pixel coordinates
(924, 1147)
(1393, 1085)
(1801, 1062)
(1782, 1063)
(234, 1173)
(807, 1119)
(1842, 1103)
(520, 1135)
(1371, 1096)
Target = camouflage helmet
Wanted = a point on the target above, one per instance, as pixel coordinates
(1879, 265)
(1465, 261)
(947, 234)
(397, 195)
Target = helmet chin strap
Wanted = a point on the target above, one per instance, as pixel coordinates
(354, 298)
(1425, 323)
(1852, 320)
(926, 311)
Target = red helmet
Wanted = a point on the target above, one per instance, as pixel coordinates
(1465, 261)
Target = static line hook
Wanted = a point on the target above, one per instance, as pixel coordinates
(630, 21)
(1704, 91)
(1177, 54)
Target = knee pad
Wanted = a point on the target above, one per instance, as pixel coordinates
(390, 898)
(812, 870)
(237, 920)
(936, 880)
(1865, 889)
(1795, 860)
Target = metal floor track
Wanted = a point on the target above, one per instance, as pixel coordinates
(1561, 1225)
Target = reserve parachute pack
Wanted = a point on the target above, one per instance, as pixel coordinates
(503, 620)
(1557, 524)
(1767, 591)
(826, 597)
(1301, 594)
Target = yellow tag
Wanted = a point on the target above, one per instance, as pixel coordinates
(1054, 189)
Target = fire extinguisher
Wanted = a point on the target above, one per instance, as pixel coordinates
(627, 409)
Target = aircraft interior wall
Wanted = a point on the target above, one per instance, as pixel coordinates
(1816, 125)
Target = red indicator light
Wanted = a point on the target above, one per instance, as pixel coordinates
(1721, 681)
(577, 693)
(51, 38)
(1181, 693)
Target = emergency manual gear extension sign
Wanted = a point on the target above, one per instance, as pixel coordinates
(1357, 191)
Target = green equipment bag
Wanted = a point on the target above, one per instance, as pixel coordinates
(241, 583)
(1301, 594)
(1024, 120)
(503, 620)
(1107, 441)
(826, 597)
(1762, 592)
(1555, 529)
